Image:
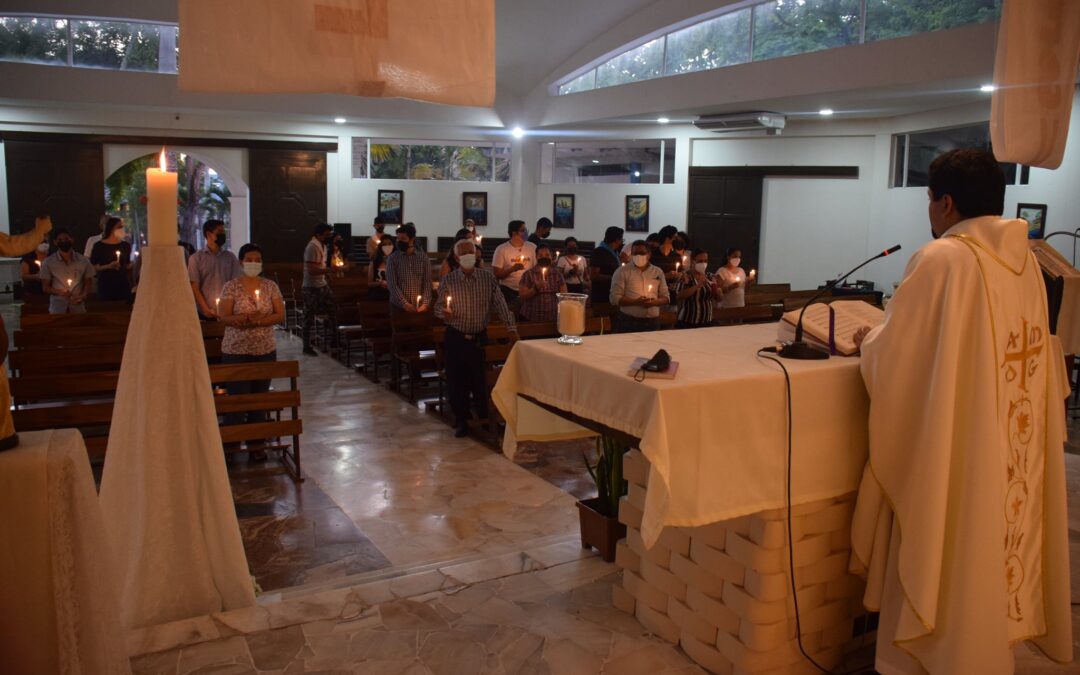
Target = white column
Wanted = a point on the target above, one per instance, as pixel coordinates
(240, 221)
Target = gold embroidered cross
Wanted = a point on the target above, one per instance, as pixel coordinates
(1027, 351)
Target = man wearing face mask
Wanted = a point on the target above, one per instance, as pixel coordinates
(638, 290)
(605, 260)
(210, 268)
(539, 286)
(67, 276)
(543, 231)
(373, 241)
(467, 296)
(408, 273)
(318, 298)
(512, 259)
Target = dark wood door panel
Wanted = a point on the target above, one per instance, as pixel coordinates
(288, 199)
(63, 180)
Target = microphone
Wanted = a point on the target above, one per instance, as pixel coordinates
(801, 350)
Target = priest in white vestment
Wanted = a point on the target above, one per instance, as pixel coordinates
(960, 525)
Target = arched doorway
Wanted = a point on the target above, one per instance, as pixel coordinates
(210, 186)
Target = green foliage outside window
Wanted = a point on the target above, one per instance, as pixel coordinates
(438, 162)
(719, 42)
(37, 40)
(896, 18)
(115, 45)
(784, 27)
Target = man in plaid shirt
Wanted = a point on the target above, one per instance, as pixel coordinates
(408, 273)
(467, 296)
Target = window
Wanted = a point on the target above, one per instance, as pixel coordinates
(430, 160)
(782, 27)
(641, 63)
(90, 43)
(582, 83)
(891, 19)
(715, 43)
(913, 153)
(776, 28)
(637, 161)
(33, 40)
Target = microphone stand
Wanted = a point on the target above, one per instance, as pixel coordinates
(803, 351)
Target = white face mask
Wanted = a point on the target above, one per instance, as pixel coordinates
(701, 267)
(468, 261)
(470, 228)
(735, 262)
(641, 260)
(387, 250)
(252, 269)
(44, 248)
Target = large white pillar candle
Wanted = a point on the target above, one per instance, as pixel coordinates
(161, 205)
(571, 317)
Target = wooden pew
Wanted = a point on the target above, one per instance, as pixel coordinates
(412, 350)
(85, 401)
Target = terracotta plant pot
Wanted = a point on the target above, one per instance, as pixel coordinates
(599, 531)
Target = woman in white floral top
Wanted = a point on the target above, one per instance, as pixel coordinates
(250, 308)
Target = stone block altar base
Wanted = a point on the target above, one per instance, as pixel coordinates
(722, 592)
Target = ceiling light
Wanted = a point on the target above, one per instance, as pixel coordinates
(662, 120)
(596, 161)
(339, 120)
(825, 111)
(637, 174)
(518, 132)
(987, 88)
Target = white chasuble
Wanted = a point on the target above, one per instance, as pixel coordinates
(960, 525)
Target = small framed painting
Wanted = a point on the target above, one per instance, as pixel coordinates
(637, 213)
(563, 212)
(392, 206)
(1035, 215)
(474, 208)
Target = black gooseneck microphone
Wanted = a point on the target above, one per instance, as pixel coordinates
(804, 351)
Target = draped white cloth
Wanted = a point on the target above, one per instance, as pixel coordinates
(442, 52)
(961, 523)
(1035, 66)
(59, 607)
(164, 491)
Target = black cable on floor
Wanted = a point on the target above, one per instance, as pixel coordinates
(791, 543)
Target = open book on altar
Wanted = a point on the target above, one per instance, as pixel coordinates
(832, 326)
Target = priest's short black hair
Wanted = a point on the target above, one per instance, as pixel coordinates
(974, 180)
(613, 234)
(211, 225)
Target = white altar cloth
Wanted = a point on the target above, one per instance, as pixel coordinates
(59, 606)
(716, 435)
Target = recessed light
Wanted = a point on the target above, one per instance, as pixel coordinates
(339, 120)
(987, 88)
(551, 142)
(518, 132)
(596, 161)
(637, 174)
(825, 111)
(662, 120)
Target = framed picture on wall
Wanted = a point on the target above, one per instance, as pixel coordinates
(1035, 215)
(637, 213)
(563, 211)
(474, 207)
(392, 206)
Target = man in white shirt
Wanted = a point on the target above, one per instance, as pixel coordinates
(638, 290)
(512, 259)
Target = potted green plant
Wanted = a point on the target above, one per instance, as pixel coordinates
(600, 526)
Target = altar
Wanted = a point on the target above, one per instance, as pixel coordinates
(705, 562)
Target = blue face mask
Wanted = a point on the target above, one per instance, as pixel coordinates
(525, 233)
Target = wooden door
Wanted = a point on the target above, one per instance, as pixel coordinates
(64, 180)
(725, 212)
(288, 199)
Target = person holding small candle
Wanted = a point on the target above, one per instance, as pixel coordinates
(574, 267)
(377, 287)
(638, 290)
(539, 286)
(512, 259)
(374, 240)
(696, 292)
(318, 298)
(733, 280)
(67, 276)
(111, 259)
(408, 273)
(467, 298)
(250, 307)
(30, 270)
(450, 263)
(210, 268)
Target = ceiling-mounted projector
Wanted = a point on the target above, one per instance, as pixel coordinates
(772, 123)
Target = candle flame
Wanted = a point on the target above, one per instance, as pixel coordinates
(161, 160)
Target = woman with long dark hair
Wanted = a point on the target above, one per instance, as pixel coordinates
(111, 258)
